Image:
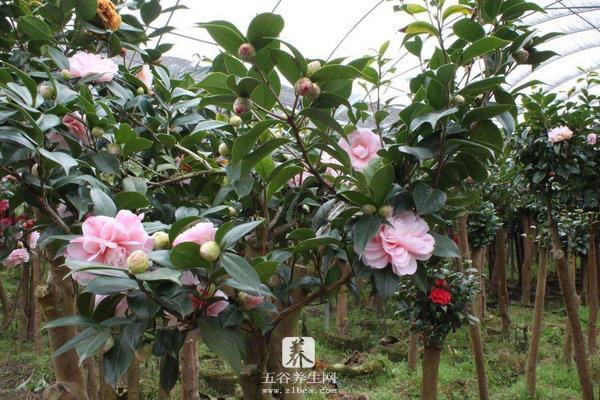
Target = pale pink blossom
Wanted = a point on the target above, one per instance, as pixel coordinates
(559, 134)
(17, 257)
(145, 75)
(108, 240)
(84, 64)
(326, 158)
(199, 233)
(401, 243)
(592, 138)
(4, 206)
(250, 302)
(63, 211)
(58, 140)
(203, 300)
(120, 309)
(75, 124)
(32, 240)
(298, 179)
(362, 146)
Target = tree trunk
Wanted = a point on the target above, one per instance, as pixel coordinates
(4, 299)
(431, 365)
(251, 376)
(474, 329)
(162, 393)
(592, 268)
(528, 243)
(570, 301)
(478, 265)
(56, 298)
(133, 380)
(24, 303)
(92, 378)
(502, 285)
(36, 312)
(568, 345)
(413, 343)
(538, 312)
(189, 367)
(341, 312)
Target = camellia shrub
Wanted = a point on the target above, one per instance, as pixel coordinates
(215, 208)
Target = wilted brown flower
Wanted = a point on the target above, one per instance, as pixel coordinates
(108, 15)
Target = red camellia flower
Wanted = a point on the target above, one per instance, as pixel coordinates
(440, 283)
(440, 296)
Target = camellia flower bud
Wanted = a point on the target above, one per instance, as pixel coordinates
(303, 86)
(242, 105)
(113, 149)
(248, 301)
(313, 67)
(232, 211)
(458, 99)
(235, 121)
(97, 132)
(210, 251)
(386, 211)
(224, 149)
(65, 74)
(369, 209)
(110, 342)
(138, 262)
(521, 56)
(161, 240)
(314, 92)
(46, 91)
(247, 52)
(140, 91)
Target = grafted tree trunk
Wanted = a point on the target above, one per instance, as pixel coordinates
(592, 268)
(431, 366)
(341, 312)
(36, 312)
(4, 299)
(528, 243)
(568, 345)
(25, 303)
(189, 367)
(56, 297)
(251, 376)
(413, 344)
(502, 285)
(570, 301)
(474, 329)
(479, 299)
(538, 312)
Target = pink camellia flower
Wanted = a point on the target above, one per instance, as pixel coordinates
(199, 233)
(145, 75)
(298, 179)
(559, 134)
(109, 241)
(4, 206)
(32, 239)
(17, 257)
(203, 301)
(120, 309)
(75, 124)
(63, 211)
(401, 243)
(6, 221)
(362, 146)
(250, 302)
(592, 138)
(84, 64)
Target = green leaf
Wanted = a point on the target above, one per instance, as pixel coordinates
(281, 178)
(134, 184)
(130, 200)
(116, 361)
(226, 343)
(483, 113)
(381, 183)
(444, 246)
(457, 9)
(238, 232)
(335, 72)
(150, 11)
(136, 145)
(314, 243)
(240, 271)
(225, 34)
(468, 30)
(103, 204)
(325, 118)
(428, 200)
(420, 27)
(364, 229)
(92, 345)
(386, 282)
(266, 269)
(35, 28)
(263, 28)
(186, 255)
(215, 83)
(181, 225)
(474, 167)
(60, 60)
(482, 85)
(85, 9)
(160, 274)
(63, 159)
(481, 47)
(73, 320)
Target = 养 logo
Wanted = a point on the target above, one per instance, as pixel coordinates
(298, 352)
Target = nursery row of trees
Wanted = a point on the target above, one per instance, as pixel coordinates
(144, 210)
